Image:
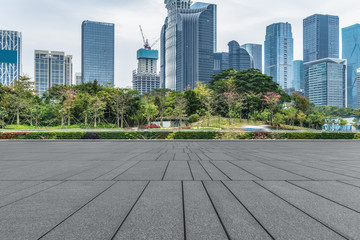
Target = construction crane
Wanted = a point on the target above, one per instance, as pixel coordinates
(146, 41)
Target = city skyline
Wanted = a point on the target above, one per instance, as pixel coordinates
(235, 22)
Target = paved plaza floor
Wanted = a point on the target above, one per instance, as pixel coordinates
(180, 190)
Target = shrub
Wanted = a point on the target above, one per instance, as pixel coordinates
(152, 126)
(194, 118)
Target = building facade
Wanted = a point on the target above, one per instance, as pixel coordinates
(320, 39)
(327, 82)
(358, 87)
(221, 62)
(10, 56)
(98, 52)
(51, 68)
(279, 52)
(78, 79)
(146, 78)
(255, 50)
(239, 58)
(188, 44)
(351, 52)
(298, 79)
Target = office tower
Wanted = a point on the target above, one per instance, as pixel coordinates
(239, 58)
(188, 44)
(358, 87)
(255, 50)
(78, 79)
(51, 68)
(221, 62)
(10, 56)
(163, 55)
(320, 39)
(298, 75)
(327, 82)
(97, 52)
(279, 54)
(146, 77)
(351, 52)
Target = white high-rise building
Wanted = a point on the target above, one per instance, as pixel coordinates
(10, 56)
(146, 78)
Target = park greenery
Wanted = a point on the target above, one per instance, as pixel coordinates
(231, 98)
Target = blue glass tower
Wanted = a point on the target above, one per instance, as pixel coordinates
(98, 52)
(188, 44)
(351, 52)
(221, 62)
(255, 50)
(239, 58)
(10, 56)
(321, 39)
(298, 75)
(279, 53)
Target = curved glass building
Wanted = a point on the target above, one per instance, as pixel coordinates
(188, 44)
(279, 53)
(239, 58)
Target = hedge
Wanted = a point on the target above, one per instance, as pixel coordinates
(177, 135)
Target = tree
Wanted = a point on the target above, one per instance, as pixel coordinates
(149, 109)
(3, 114)
(207, 98)
(301, 117)
(161, 101)
(272, 99)
(96, 108)
(68, 102)
(301, 103)
(122, 101)
(278, 119)
(291, 114)
(311, 119)
(180, 107)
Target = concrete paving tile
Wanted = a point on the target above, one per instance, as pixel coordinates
(220, 157)
(339, 192)
(166, 157)
(146, 170)
(214, 173)
(100, 218)
(282, 220)
(97, 172)
(340, 219)
(267, 172)
(34, 216)
(157, 215)
(237, 220)
(198, 171)
(117, 171)
(181, 157)
(18, 187)
(202, 222)
(234, 172)
(178, 170)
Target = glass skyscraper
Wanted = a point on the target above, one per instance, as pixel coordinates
(188, 44)
(51, 68)
(10, 56)
(358, 86)
(351, 52)
(320, 39)
(279, 54)
(255, 51)
(327, 82)
(98, 52)
(221, 62)
(298, 75)
(239, 58)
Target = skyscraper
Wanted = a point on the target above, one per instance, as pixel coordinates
(51, 68)
(320, 39)
(327, 82)
(221, 62)
(188, 44)
(10, 56)
(255, 51)
(351, 52)
(97, 52)
(78, 79)
(298, 75)
(358, 87)
(146, 78)
(279, 54)
(239, 58)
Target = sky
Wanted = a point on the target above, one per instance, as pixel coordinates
(55, 25)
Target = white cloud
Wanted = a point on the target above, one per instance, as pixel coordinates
(56, 24)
